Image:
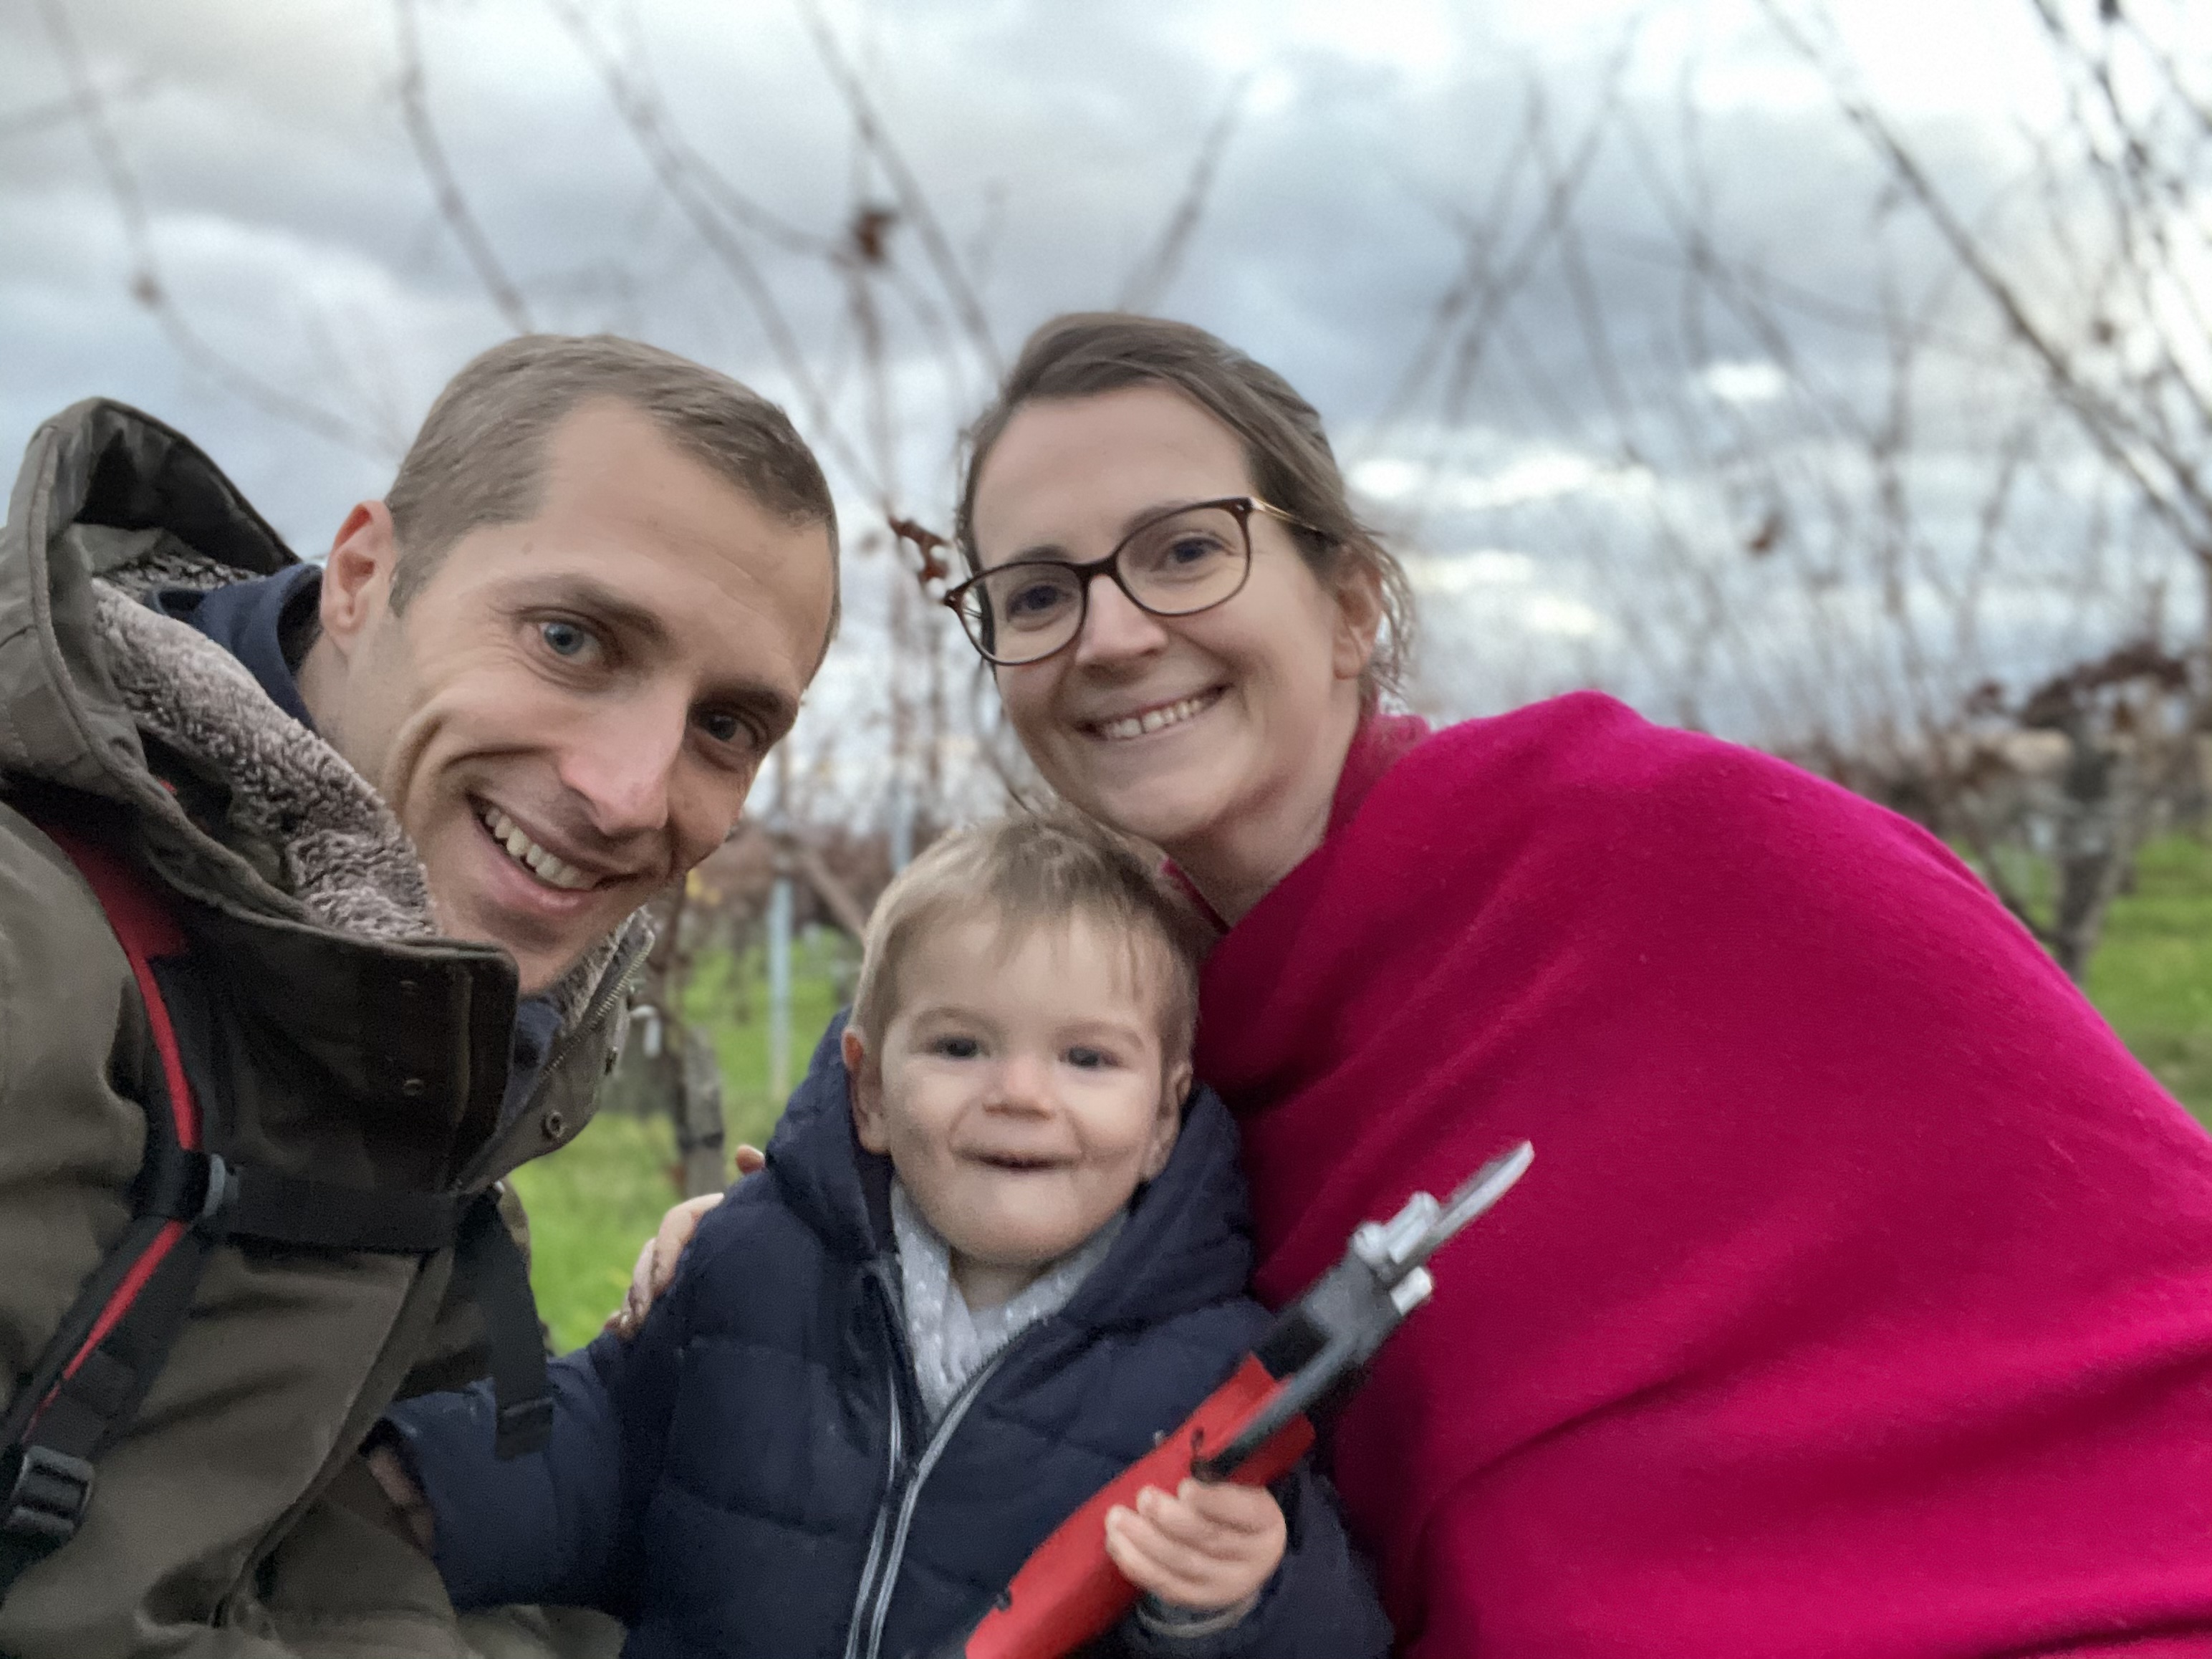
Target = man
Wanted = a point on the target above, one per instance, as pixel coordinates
(404, 809)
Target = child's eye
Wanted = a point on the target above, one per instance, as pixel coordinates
(955, 1048)
(1089, 1059)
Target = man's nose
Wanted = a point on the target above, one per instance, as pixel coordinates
(1114, 629)
(622, 761)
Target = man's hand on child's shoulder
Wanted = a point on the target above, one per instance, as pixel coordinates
(656, 1261)
(1209, 1548)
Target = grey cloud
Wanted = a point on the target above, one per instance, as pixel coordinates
(298, 233)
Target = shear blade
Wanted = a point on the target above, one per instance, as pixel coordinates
(1476, 1194)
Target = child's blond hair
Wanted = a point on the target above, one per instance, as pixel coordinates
(1027, 870)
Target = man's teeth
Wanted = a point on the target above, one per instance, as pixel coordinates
(1135, 726)
(523, 851)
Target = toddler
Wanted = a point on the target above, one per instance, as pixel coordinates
(999, 1246)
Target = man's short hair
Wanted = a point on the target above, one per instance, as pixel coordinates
(481, 456)
(1028, 870)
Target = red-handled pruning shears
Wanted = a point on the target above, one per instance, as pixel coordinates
(1252, 1429)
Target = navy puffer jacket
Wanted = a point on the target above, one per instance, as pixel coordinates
(750, 1477)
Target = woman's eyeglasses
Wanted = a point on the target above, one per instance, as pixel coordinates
(1175, 563)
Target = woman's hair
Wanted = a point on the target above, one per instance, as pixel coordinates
(1286, 451)
(1028, 870)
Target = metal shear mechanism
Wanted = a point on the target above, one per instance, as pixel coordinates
(1318, 1344)
(1069, 1591)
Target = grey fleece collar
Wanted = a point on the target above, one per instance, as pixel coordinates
(952, 1341)
(345, 859)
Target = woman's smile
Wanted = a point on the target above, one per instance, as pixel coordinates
(1158, 717)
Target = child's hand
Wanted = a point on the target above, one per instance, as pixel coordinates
(1209, 1547)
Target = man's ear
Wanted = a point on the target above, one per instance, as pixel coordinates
(358, 579)
(1359, 620)
(864, 1079)
(1167, 1124)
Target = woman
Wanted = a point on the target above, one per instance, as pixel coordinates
(1860, 1301)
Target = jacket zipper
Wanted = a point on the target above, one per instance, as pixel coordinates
(953, 1412)
(905, 1501)
(879, 1277)
(883, 1513)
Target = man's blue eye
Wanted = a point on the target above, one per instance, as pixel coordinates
(564, 639)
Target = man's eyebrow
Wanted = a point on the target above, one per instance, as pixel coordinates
(644, 631)
(605, 604)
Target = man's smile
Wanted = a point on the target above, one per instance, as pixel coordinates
(543, 864)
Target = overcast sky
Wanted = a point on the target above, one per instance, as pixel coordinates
(291, 223)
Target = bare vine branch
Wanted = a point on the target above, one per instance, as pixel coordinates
(1150, 280)
(444, 187)
(147, 287)
(913, 199)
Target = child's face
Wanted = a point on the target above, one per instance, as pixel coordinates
(1021, 1091)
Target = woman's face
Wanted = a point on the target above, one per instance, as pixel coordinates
(1217, 737)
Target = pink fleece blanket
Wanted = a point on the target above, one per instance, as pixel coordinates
(1860, 1299)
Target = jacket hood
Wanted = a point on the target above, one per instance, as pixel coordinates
(301, 881)
(1186, 1243)
(104, 490)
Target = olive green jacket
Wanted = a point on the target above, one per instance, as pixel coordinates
(233, 1520)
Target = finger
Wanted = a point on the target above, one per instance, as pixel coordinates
(1132, 1566)
(1149, 1561)
(406, 1497)
(640, 1291)
(750, 1160)
(1238, 1508)
(1180, 1520)
(676, 1230)
(1153, 1562)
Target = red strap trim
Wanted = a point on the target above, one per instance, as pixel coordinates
(146, 928)
(125, 1293)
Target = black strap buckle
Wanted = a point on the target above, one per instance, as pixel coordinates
(524, 1427)
(222, 1198)
(45, 1499)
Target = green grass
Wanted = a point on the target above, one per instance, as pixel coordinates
(728, 996)
(2152, 978)
(593, 1204)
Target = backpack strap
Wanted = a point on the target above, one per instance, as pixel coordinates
(489, 1267)
(99, 1364)
(90, 1379)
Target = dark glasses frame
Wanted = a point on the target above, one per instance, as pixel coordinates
(1241, 508)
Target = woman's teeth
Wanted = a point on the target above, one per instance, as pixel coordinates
(1135, 726)
(525, 852)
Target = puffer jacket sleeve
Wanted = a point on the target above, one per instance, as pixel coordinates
(1321, 1604)
(557, 1526)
